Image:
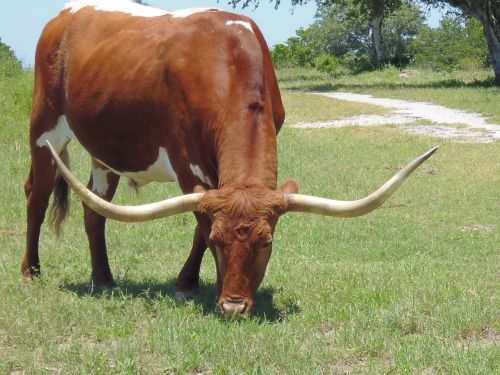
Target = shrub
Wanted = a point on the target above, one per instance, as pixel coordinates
(455, 44)
(9, 64)
(295, 52)
(358, 63)
(330, 64)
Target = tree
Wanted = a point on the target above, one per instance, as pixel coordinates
(488, 13)
(339, 41)
(295, 52)
(374, 12)
(339, 29)
(9, 64)
(375, 9)
(400, 28)
(343, 30)
(457, 43)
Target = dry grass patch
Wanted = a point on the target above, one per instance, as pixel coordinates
(302, 106)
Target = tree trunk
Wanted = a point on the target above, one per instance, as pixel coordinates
(491, 28)
(494, 49)
(378, 48)
(488, 12)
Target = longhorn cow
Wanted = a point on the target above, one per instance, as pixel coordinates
(187, 96)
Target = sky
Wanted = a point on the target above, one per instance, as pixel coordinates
(22, 21)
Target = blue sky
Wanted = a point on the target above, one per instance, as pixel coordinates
(21, 21)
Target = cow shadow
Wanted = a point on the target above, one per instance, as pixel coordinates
(266, 311)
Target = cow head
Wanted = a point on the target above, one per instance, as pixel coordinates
(243, 222)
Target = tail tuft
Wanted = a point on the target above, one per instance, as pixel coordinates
(60, 203)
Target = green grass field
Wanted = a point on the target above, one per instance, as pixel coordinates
(413, 288)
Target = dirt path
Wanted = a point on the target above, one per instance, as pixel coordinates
(446, 122)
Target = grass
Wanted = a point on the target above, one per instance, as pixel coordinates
(472, 90)
(302, 107)
(413, 288)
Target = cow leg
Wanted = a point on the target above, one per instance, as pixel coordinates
(188, 281)
(38, 188)
(102, 182)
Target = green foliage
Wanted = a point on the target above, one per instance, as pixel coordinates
(340, 28)
(280, 54)
(300, 53)
(399, 29)
(487, 11)
(358, 63)
(16, 87)
(345, 28)
(9, 64)
(455, 44)
(255, 3)
(332, 65)
(295, 52)
(339, 42)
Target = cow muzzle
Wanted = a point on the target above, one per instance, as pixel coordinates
(235, 308)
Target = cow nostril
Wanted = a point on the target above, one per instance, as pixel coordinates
(233, 308)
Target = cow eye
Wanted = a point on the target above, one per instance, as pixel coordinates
(264, 244)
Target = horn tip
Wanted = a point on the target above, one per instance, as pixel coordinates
(429, 153)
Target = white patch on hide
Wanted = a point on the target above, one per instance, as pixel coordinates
(58, 137)
(246, 25)
(199, 173)
(99, 180)
(182, 13)
(161, 171)
(129, 7)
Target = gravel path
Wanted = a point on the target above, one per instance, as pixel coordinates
(446, 122)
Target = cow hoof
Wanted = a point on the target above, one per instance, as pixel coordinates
(30, 273)
(29, 277)
(186, 295)
(102, 287)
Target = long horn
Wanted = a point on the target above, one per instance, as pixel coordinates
(146, 212)
(323, 206)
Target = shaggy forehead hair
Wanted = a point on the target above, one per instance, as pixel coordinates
(249, 203)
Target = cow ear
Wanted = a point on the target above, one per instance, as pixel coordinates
(290, 187)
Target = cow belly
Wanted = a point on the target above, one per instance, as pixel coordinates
(160, 171)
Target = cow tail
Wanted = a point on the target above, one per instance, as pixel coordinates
(60, 202)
